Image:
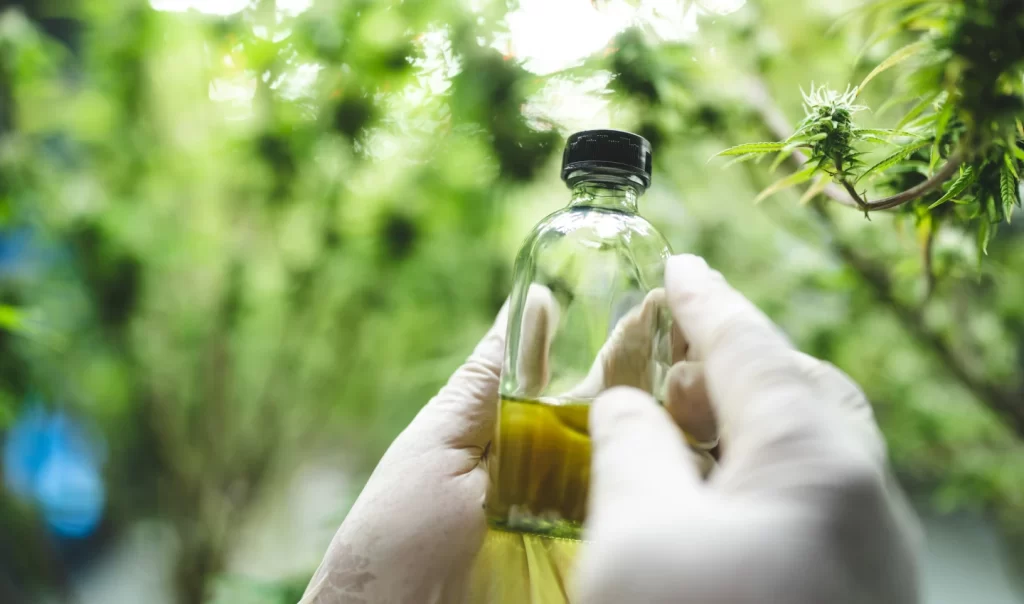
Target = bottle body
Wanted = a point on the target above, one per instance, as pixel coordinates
(585, 276)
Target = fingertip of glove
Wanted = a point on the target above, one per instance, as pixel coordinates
(618, 405)
(686, 274)
(687, 266)
(688, 262)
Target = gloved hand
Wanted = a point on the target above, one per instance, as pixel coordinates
(414, 531)
(800, 509)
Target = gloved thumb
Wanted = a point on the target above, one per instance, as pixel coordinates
(639, 455)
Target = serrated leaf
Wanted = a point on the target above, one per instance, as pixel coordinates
(790, 181)
(917, 110)
(1011, 165)
(816, 187)
(1017, 152)
(893, 159)
(884, 132)
(983, 236)
(1008, 191)
(895, 58)
(877, 140)
(966, 179)
(799, 138)
(752, 148)
(742, 158)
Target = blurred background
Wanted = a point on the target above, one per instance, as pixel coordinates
(243, 241)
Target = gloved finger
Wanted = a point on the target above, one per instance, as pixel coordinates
(639, 455)
(680, 347)
(703, 461)
(688, 403)
(625, 358)
(541, 315)
(766, 405)
(464, 411)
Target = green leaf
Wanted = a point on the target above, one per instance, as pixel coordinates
(966, 179)
(783, 156)
(984, 232)
(1017, 152)
(790, 181)
(1008, 191)
(917, 110)
(816, 187)
(877, 140)
(752, 148)
(894, 59)
(990, 209)
(945, 115)
(742, 158)
(894, 159)
(891, 102)
(1011, 165)
(915, 19)
(800, 136)
(883, 132)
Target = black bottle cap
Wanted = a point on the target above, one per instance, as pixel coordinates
(608, 151)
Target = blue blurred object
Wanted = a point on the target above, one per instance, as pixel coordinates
(15, 246)
(51, 460)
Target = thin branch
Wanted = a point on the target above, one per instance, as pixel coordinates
(846, 195)
(920, 190)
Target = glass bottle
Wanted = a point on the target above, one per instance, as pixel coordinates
(584, 316)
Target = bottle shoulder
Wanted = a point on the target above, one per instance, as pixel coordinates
(591, 227)
(577, 244)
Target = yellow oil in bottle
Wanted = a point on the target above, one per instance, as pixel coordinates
(540, 467)
(520, 568)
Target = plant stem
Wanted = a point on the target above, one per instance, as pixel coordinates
(942, 175)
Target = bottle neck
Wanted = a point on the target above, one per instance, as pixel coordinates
(606, 192)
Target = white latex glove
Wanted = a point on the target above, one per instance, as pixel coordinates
(799, 511)
(624, 360)
(414, 531)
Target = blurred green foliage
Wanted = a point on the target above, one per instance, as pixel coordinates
(279, 229)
